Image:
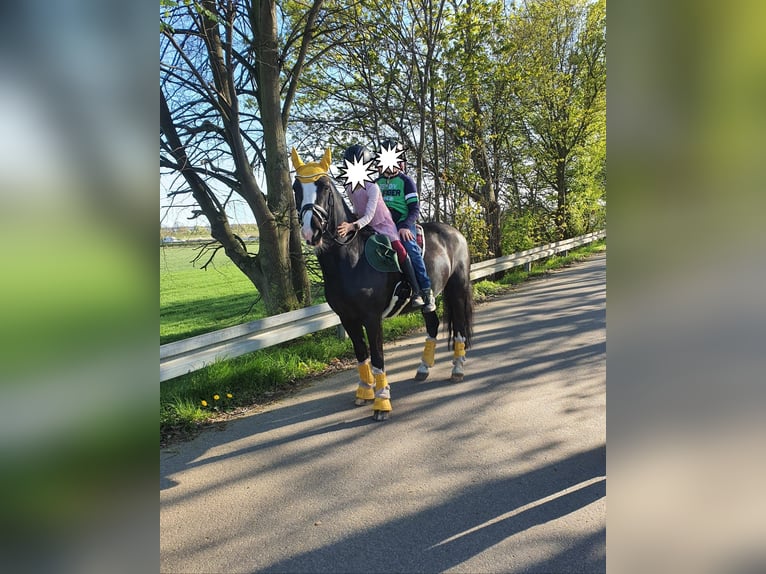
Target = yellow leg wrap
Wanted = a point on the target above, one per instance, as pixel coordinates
(459, 349)
(382, 393)
(428, 351)
(365, 373)
(365, 389)
(364, 393)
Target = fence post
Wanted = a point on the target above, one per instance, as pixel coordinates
(340, 332)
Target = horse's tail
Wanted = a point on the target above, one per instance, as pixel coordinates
(458, 304)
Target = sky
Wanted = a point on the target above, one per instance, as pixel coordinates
(175, 212)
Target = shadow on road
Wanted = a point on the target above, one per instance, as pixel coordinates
(450, 533)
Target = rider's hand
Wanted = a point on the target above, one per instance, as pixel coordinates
(345, 228)
(405, 234)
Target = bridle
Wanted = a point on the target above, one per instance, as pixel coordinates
(325, 218)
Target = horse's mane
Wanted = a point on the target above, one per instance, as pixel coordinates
(340, 192)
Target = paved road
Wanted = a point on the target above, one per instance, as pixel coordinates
(504, 472)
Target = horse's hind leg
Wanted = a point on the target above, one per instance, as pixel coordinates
(459, 302)
(429, 349)
(458, 354)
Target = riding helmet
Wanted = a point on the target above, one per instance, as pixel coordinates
(356, 152)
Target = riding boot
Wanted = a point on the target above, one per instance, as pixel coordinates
(416, 302)
(429, 303)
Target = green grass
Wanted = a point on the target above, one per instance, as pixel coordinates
(262, 376)
(195, 301)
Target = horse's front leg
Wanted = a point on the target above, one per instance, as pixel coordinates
(429, 349)
(382, 405)
(365, 390)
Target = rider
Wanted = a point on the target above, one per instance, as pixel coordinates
(401, 197)
(369, 206)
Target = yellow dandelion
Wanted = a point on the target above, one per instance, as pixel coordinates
(229, 395)
(216, 397)
(204, 403)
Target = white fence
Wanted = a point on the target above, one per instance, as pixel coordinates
(192, 354)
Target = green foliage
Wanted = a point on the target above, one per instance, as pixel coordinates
(586, 211)
(469, 221)
(402, 325)
(586, 207)
(518, 232)
(561, 100)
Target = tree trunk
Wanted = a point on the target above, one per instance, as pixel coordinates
(562, 214)
(286, 259)
(480, 158)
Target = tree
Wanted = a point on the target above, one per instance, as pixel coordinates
(384, 58)
(478, 107)
(558, 57)
(225, 97)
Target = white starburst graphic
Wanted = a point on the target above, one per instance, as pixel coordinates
(389, 157)
(357, 173)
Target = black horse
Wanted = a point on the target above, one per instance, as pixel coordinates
(361, 295)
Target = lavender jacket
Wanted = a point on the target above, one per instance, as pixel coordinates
(369, 206)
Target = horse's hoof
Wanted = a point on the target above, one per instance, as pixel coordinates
(380, 415)
(420, 376)
(362, 402)
(456, 378)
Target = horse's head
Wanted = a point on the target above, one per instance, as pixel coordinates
(312, 189)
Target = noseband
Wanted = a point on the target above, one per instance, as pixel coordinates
(318, 212)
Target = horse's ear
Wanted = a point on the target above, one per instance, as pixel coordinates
(326, 161)
(297, 162)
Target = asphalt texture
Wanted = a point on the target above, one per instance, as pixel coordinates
(503, 472)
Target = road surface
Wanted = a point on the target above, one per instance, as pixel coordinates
(504, 472)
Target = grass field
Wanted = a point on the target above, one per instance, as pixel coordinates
(193, 301)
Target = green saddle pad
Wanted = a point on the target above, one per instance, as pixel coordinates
(380, 254)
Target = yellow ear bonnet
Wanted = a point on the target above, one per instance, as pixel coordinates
(312, 171)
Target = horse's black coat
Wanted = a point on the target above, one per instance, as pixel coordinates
(359, 294)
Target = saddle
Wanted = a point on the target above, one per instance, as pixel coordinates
(382, 256)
